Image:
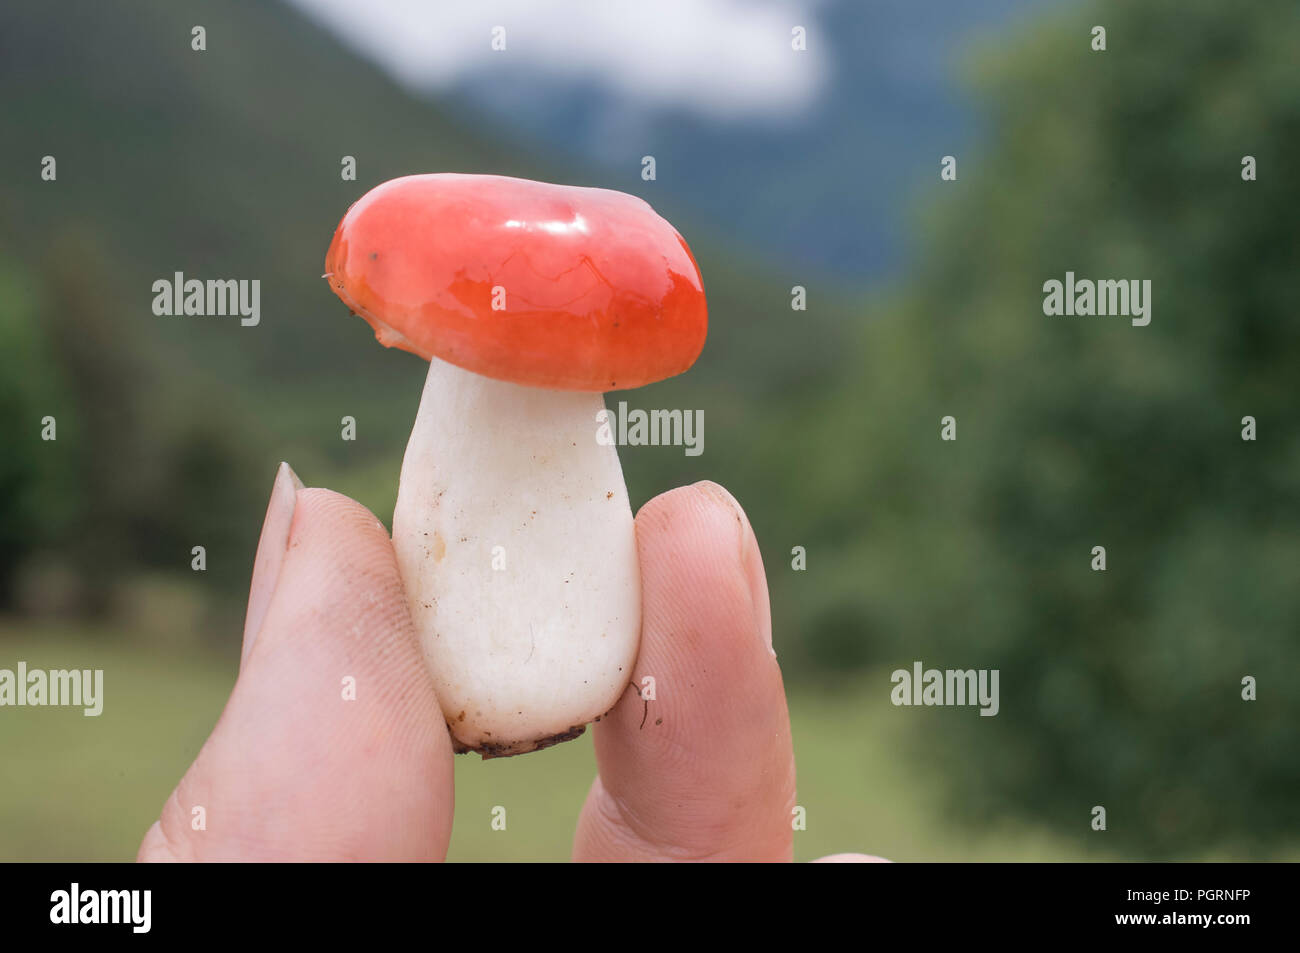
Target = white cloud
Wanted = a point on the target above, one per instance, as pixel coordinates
(727, 58)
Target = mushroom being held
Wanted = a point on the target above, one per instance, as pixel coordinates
(513, 529)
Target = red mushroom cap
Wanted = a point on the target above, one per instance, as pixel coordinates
(545, 285)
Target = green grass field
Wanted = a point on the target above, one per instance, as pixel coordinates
(78, 788)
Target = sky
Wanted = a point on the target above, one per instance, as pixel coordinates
(723, 59)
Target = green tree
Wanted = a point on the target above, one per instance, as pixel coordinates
(34, 502)
(1120, 688)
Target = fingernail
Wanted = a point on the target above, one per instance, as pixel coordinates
(750, 558)
(271, 548)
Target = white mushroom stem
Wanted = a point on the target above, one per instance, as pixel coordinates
(515, 541)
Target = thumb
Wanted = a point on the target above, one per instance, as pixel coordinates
(332, 745)
(706, 770)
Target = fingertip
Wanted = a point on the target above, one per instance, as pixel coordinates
(698, 606)
(319, 508)
(272, 545)
(851, 859)
(700, 503)
(751, 559)
(705, 524)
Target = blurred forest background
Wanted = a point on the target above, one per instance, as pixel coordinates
(1119, 688)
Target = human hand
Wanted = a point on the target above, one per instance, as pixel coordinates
(292, 772)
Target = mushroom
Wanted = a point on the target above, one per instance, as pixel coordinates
(513, 530)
